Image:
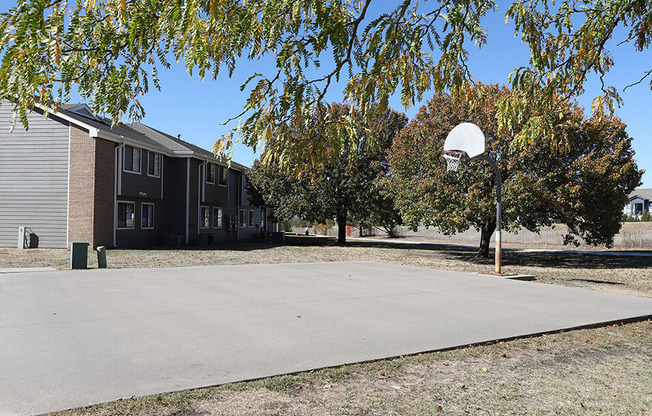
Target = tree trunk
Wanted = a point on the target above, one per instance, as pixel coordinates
(341, 228)
(485, 238)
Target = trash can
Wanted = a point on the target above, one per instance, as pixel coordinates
(79, 255)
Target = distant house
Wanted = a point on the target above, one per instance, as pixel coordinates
(639, 202)
(74, 177)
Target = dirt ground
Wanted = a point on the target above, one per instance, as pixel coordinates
(594, 371)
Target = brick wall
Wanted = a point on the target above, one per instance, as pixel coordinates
(104, 182)
(81, 182)
(90, 200)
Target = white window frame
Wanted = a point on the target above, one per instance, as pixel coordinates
(209, 167)
(142, 216)
(242, 218)
(206, 223)
(243, 189)
(160, 159)
(251, 218)
(224, 175)
(140, 160)
(133, 204)
(218, 220)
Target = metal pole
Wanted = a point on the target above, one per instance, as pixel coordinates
(499, 187)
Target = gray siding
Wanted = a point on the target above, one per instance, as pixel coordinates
(34, 179)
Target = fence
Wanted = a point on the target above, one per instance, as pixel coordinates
(632, 236)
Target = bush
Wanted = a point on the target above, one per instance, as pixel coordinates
(646, 216)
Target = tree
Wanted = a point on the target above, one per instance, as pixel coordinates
(584, 185)
(112, 50)
(347, 190)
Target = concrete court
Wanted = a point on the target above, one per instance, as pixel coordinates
(73, 338)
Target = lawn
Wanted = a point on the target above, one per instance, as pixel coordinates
(604, 370)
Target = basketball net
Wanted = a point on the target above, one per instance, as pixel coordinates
(453, 160)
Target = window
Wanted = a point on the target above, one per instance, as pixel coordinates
(146, 215)
(223, 175)
(243, 218)
(154, 164)
(243, 190)
(251, 218)
(210, 173)
(263, 219)
(126, 215)
(205, 218)
(217, 217)
(132, 159)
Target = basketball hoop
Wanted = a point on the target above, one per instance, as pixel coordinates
(453, 159)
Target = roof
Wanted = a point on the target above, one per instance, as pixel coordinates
(139, 134)
(105, 125)
(643, 193)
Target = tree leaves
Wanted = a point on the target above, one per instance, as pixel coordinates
(583, 184)
(111, 50)
(349, 189)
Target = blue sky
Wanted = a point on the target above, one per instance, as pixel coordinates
(196, 109)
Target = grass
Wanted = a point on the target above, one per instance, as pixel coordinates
(605, 370)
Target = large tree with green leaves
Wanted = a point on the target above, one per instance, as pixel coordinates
(584, 184)
(112, 50)
(350, 190)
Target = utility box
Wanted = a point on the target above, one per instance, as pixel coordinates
(277, 237)
(21, 237)
(27, 238)
(33, 240)
(79, 255)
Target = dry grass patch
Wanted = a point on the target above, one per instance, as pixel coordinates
(628, 275)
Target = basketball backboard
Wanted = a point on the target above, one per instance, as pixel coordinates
(465, 137)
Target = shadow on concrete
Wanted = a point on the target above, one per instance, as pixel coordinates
(562, 259)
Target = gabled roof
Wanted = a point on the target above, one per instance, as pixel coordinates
(104, 124)
(81, 109)
(643, 193)
(138, 134)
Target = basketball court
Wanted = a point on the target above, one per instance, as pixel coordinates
(74, 338)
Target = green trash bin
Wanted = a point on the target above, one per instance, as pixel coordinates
(79, 255)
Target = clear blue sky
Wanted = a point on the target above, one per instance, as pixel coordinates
(196, 109)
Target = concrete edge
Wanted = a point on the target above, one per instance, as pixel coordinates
(26, 269)
(413, 354)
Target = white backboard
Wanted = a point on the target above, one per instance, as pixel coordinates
(466, 137)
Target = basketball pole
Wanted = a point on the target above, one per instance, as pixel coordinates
(499, 187)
